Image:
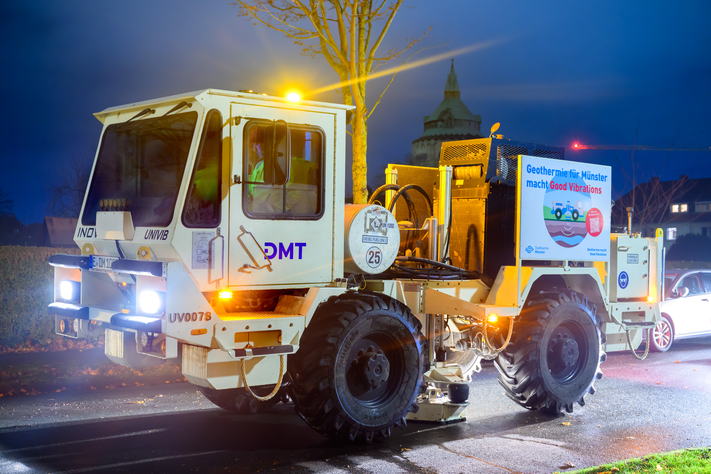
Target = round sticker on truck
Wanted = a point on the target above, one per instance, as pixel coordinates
(373, 257)
(623, 280)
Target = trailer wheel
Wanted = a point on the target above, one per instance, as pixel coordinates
(238, 401)
(359, 367)
(558, 214)
(555, 353)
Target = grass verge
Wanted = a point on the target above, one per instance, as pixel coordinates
(686, 461)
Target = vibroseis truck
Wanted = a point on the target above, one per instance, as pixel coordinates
(214, 233)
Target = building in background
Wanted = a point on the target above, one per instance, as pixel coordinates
(451, 120)
(680, 207)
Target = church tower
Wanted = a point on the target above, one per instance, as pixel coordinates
(451, 120)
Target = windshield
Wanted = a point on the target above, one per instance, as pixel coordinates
(142, 163)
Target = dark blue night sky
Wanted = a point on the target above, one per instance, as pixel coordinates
(598, 72)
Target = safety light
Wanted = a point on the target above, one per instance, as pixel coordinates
(650, 299)
(493, 318)
(151, 302)
(575, 145)
(225, 295)
(69, 290)
(293, 97)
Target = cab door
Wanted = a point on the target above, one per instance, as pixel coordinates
(281, 198)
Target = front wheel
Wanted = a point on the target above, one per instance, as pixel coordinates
(359, 367)
(554, 355)
(662, 335)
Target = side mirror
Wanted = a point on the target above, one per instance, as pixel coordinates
(683, 291)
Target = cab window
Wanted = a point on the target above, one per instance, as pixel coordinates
(275, 188)
(202, 205)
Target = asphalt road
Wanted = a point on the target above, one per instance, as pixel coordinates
(641, 407)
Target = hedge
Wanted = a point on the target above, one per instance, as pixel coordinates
(25, 291)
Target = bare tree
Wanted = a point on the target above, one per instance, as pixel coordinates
(651, 201)
(348, 34)
(67, 188)
(650, 197)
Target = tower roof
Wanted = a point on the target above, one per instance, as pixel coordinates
(451, 107)
(451, 89)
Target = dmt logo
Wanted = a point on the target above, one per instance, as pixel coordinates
(271, 250)
(623, 280)
(529, 249)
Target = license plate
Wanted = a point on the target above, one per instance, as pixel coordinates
(102, 264)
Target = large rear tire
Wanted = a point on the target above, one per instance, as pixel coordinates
(555, 352)
(359, 367)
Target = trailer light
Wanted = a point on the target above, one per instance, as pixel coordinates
(151, 302)
(293, 97)
(198, 332)
(225, 295)
(69, 290)
(493, 318)
(650, 299)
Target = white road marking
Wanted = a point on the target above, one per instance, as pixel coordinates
(104, 438)
(142, 461)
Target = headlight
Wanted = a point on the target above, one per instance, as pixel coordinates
(144, 340)
(70, 290)
(151, 302)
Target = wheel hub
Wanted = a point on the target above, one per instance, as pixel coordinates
(373, 369)
(563, 351)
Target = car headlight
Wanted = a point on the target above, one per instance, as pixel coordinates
(151, 302)
(70, 290)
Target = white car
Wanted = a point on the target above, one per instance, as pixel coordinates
(686, 309)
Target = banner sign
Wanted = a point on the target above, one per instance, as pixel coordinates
(564, 210)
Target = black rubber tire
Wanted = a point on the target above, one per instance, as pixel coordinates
(575, 215)
(558, 214)
(662, 335)
(533, 369)
(327, 380)
(238, 401)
